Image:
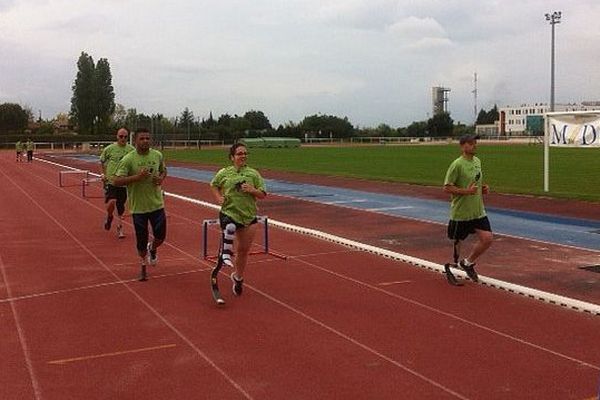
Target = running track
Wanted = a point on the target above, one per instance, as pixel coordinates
(329, 322)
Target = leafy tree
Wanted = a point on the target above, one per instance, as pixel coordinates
(440, 125)
(13, 117)
(83, 102)
(224, 120)
(104, 95)
(416, 129)
(257, 120)
(326, 125)
(489, 117)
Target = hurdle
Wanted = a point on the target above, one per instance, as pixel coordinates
(71, 171)
(264, 220)
(85, 182)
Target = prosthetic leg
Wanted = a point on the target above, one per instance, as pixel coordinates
(449, 275)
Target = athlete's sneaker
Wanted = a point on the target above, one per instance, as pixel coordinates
(227, 261)
(237, 285)
(469, 269)
(108, 222)
(152, 256)
(120, 233)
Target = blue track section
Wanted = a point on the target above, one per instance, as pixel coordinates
(548, 228)
(560, 230)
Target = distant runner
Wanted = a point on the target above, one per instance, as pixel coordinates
(114, 196)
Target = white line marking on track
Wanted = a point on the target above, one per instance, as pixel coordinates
(343, 201)
(26, 352)
(389, 208)
(393, 283)
(112, 354)
(97, 286)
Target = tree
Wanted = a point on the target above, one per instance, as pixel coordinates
(257, 120)
(416, 129)
(327, 125)
(186, 122)
(83, 108)
(119, 116)
(489, 117)
(440, 125)
(13, 117)
(104, 95)
(93, 100)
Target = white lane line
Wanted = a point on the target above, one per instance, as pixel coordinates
(393, 283)
(389, 208)
(345, 201)
(111, 354)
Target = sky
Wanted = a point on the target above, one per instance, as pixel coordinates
(373, 61)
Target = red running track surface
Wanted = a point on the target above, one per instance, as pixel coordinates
(329, 322)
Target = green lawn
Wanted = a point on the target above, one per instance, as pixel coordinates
(574, 173)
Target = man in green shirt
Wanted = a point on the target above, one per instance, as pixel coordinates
(19, 148)
(143, 172)
(467, 214)
(114, 196)
(29, 146)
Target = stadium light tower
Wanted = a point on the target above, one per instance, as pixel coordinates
(554, 19)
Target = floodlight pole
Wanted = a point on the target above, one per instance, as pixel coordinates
(554, 19)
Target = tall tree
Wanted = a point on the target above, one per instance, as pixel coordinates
(258, 120)
(13, 117)
(83, 107)
(104, 95)
(186, 122)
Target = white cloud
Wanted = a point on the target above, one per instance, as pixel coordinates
(372, 60)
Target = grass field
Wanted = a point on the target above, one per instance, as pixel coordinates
(574, 173)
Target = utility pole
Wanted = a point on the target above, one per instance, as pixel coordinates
(554, 19)
(474, 98)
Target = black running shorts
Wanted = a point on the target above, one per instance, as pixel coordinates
(459, 230)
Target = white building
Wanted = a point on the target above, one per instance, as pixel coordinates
(513, 119)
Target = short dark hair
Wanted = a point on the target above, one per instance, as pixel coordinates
(142, 130)
(234, 148)
(468, 138)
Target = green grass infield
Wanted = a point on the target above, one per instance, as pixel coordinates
(574, 172)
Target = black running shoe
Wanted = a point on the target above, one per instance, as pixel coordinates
(237, 285)
(470, 270)
(108, 222)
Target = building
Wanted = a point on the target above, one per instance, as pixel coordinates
(439, 99)
(513, 119)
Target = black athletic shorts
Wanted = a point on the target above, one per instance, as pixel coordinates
(158, 222)
(119, 193)
(459, 230)
(226, 219)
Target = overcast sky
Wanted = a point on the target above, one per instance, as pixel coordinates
(373, 61)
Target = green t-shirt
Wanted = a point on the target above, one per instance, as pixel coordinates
(462, 173)
(19, 146)
(238, 205)
(111, 156)
(143, 196)
(29, 145)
